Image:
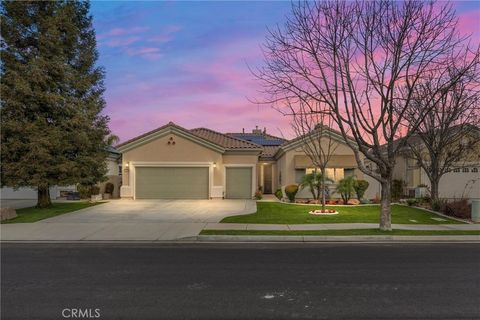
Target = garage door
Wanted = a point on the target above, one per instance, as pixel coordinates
(171, 183)
(239, 183)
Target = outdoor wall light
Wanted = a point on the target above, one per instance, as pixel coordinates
(214, 164)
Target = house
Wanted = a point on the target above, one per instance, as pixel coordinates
(172, 162)
(57, 192)
(463, 181)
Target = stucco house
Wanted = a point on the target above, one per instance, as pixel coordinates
(172, 162)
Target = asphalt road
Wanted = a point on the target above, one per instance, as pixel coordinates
(241, 281)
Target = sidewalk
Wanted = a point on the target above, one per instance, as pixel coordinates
(337, 226)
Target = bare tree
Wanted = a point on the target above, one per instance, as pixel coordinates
(450, 135)
(364, 60)
(314, 129)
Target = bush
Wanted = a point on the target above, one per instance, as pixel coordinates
(436, 205)
(458, 208)
(87, 191)
(345, 188)
(291, 192)
(360, 187)
(412, 202)
(258, 195)
(109, 187)
(397, 189)
(279, 194)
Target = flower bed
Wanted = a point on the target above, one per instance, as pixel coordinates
(325, 212)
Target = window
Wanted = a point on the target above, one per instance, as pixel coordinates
(120, 170)
(299, 174)
(336, 174)
(466, 170)
(474, 169)
(456, 170)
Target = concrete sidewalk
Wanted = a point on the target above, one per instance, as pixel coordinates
(337, 226)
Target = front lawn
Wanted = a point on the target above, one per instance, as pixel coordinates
(284, 213)
(34, 214)
(347, 232)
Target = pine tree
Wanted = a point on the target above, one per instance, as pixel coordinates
(53, 132)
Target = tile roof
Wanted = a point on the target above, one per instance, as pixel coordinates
(268, 152)
(224, 140)
(150, 132)
(263, 139)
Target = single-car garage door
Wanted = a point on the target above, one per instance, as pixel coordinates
(171, 182)
(239, 183)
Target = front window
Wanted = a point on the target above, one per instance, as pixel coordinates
(336, 174)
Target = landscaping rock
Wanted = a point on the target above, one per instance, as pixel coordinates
(353, 201)
(7, 213)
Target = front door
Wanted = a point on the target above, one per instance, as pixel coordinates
(267, 179)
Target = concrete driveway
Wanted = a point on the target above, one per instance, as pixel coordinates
(125, 220)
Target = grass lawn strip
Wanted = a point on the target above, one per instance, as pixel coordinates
(33, 214)
(284, 213)
(348, 232)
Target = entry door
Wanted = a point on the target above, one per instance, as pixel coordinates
(171, 182)
(238, 183)
(267, 179)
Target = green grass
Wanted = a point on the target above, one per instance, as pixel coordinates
(34, 214)
(348, 232)
(284, 213)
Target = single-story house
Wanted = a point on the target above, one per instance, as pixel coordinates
(172, 162)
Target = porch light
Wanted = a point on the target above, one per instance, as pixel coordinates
(214, 164)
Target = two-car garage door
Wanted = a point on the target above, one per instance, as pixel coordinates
(171, 182)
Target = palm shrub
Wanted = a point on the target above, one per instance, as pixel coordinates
(309, 181)
(345, 188)
(360, 187)
(291, 191)
(279, 194)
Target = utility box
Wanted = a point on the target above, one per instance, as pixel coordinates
(476, 210)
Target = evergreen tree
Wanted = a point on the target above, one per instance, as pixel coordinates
(52, 129)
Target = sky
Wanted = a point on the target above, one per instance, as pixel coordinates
(188, 62)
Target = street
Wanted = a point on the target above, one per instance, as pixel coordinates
(241, 281)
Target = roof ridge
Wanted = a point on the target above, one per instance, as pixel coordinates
(257, 134)
(226, 135)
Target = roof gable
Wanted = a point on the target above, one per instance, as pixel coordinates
(165, 130)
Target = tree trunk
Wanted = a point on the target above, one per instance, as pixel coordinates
(385, 206)
(43, 197)
(434, 190)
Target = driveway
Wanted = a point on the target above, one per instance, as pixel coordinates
(124, 220)
(159, 211)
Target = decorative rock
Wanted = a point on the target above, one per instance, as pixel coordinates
(353, 201)
(7, 213)
(320, 213)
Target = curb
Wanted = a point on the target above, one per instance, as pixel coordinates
(259, 238)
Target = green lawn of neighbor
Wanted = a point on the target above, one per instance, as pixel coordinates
(34, 214)
(285, 213)
(347, 232)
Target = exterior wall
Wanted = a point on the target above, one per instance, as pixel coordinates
(112, 167)
(183, 152)
(31, 193)
(457, 184)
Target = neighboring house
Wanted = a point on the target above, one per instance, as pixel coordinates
(463, 181)
(172, 162)
(57, 192)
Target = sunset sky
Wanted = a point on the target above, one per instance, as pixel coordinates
(187, 62)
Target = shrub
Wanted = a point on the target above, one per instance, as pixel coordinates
(345, 188)
(458, 208)
(291, 191)
(87, 191)
(412, 202)
(360, 187)
(397, 189)
(279, 194)
(109, 187)
(94, 190)
(436, 205)
(258, 195)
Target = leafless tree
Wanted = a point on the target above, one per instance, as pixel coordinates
(449, 136)
(314, 129)
(364, 61)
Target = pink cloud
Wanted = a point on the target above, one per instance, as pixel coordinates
(122, 42)
(151, 53)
